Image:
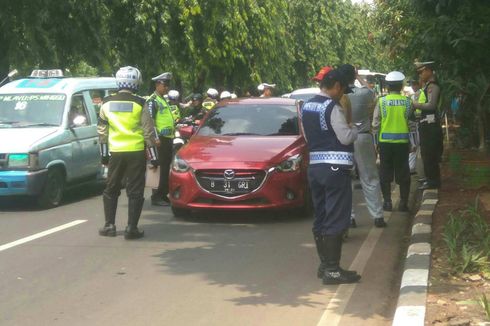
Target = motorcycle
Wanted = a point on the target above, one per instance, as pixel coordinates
(183, 132)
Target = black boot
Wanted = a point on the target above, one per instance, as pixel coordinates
(321, 248)
(110, 208)
(386, 191)
(331, 248)
(135, 205)
(404, 192)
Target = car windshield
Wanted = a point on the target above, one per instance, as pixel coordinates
(26, 110)
(251, 120)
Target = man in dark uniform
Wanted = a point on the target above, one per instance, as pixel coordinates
(124, 128)
(330, 142)
(161, 112)
(430, 130)
(390, 122)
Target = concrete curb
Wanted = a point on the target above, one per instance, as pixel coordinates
(410, 310)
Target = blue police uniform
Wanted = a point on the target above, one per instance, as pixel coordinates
(329, 169)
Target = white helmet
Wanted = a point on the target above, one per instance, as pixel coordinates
(128, 78)
(233, 95)
(173, 95)
(225, 95)
(395, 77)
(212, 93)
(260, 88)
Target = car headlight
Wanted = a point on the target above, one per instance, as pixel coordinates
(291, 164)
(179, 165)
(23, 160)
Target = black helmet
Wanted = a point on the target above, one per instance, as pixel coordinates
(196, 97)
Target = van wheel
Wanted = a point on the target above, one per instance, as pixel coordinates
(180, 212)
(52, 192)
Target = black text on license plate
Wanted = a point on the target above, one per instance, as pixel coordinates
(230, 186)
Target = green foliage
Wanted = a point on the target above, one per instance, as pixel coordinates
(467, 237)
(456, 34)
(233, 44)
(485, 305)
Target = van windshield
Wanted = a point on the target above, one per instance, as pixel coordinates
(31, 110)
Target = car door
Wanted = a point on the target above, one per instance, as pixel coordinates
(85, 149)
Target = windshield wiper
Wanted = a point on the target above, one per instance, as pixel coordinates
(40, 124)
(7, 122)
(240, 134)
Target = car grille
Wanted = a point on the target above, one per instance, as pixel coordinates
(3, 161)
(230, 183)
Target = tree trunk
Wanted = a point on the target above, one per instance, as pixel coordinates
(481, 120)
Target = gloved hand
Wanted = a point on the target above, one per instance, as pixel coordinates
(154, 163)
(104, 154)
(104, 160)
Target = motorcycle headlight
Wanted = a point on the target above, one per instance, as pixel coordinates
(179, 165)
(291, 164)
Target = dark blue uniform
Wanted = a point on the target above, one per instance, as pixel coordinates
(329, 169)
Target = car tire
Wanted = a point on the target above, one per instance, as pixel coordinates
(180, 212)
(52, 192)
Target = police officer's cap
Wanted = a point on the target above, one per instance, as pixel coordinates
(425, 64)
(165, 77)
(395, 77)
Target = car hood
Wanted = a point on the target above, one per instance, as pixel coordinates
(242, 151)
(20, 140)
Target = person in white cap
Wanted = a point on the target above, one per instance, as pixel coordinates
(225, 95)
(161, 113)
(391, 124)
(211, 99)
(430, 130)
(125, 130)
(266, 89)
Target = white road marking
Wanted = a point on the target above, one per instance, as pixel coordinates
(40, 234)
(335, 309)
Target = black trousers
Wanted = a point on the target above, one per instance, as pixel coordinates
(126, 168)
(431, 148)
(331, 192)
(165, 158)
(394, 165)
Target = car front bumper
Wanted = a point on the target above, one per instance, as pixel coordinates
(280, 190)
(22, 182)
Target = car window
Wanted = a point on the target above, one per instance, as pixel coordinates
(77, 109)
(30, 110)
(251, 119)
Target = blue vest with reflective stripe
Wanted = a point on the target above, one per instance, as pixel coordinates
(322, 142)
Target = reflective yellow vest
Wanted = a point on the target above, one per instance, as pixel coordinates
(125, 131)
(175, 112)
(164, 118)
(208, 103)
(394, 111)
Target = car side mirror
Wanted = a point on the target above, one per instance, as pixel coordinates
(187, 131)
(79, 121)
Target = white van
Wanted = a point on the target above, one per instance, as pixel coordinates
(48, 134)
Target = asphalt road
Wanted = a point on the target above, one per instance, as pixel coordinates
(211, 269)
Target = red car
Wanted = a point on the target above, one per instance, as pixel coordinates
(247, 154)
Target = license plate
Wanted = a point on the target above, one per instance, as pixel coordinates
(230, 186)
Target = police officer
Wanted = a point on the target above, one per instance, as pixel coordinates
(124, 127)
(362, 103)
(175, 105)
(391, 121)
(161, 112)
(195, 111)
(211, 99)
(330, 142)
(266, 89)
(430, 130)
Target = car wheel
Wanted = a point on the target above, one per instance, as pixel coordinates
(180, 212)
(52, 192)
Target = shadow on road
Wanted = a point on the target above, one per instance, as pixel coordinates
(71, 195)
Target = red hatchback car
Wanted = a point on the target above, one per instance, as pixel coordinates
(247, 154)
